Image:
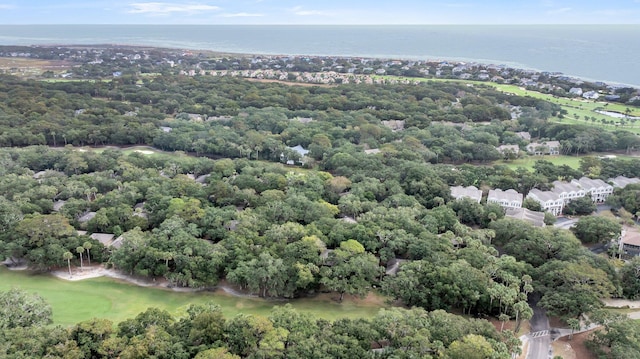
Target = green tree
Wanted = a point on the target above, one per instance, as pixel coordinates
(352, 270)
(470, 347)
(87, 246)
(68, 256)
(19, 309)
(580, 206)
(80, 250)
(596, 229)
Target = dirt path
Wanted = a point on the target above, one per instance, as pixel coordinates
(97, 271)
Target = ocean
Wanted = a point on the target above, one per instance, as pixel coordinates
(607, 53)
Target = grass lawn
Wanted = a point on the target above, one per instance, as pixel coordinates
(73, 302)
(528, 161)
(572, 161)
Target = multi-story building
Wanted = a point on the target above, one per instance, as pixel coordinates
(472, 192)
(598, 189)
(622, 181)
(568, 191)
(549, 200)
(507, 199)
(544, 148)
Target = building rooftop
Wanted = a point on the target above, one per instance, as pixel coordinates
(105, 238)
(472, 192)
(545, 195)
(508, 195)
(560, 186)
(533, 217)
(622, 181)
(631, 235)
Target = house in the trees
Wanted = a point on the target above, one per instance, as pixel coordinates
(568, 191)
(544, 148)
(524, 135)
(629, 244)
(459, 192)
(507, 199)
(533, 217)
(598, 189)
(509, 150)
(302, 153)
(549, 200)
(622, 181)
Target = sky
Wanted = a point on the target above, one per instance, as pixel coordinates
(329, 12)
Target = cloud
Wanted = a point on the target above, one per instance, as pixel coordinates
(164, 8)
(7, 6)
(242, 14)
(559, 11)
(298, 10)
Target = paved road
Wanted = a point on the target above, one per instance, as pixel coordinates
(540, 336)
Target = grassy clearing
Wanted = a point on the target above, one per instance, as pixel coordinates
(20, 66)
(559, 160)
(115, 300)
(528, 161)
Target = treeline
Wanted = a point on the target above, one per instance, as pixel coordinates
(203, 332)
(279, 231)
(238, 118)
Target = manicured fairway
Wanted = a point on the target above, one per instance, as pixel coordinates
(571, 161)
(528, 161)
(115, 300)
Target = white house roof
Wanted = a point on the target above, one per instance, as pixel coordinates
(544, 196)
(301, 150)
(588, 183)
(509, 195)
(560, 187)
(514, 148)
(548, 144)
(470, 192)
(87, 217)
(104, 238)
(622, 181)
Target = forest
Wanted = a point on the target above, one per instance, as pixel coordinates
(223, 204)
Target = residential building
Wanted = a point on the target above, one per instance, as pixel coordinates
(591, 95)
(568, 191)
(472, 192)
(533, 217)
(575, 91)
(507, 199)
(630, 241)
(622, 181)
(549, 200)
(524, 135)
(506, 149)
(598, 189)
(544, 148)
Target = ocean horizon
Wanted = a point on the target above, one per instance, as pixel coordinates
(604, 53)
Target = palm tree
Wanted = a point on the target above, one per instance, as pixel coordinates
(80, 250)
(68, 255)
(87, 246)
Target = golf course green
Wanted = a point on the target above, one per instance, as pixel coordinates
(75, 301)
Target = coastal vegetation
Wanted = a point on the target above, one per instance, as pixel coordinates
(293, 192)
